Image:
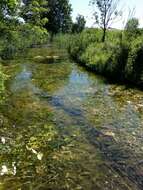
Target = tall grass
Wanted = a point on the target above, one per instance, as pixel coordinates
(2, 81)
(119, 58)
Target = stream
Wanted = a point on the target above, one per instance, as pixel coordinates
(65, 128)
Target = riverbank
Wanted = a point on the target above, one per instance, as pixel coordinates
(118, 59)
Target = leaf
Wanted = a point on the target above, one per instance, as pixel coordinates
(40, 156)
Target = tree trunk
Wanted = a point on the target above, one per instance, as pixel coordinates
(104, 35)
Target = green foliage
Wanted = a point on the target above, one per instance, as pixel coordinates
(134, 67)
(8, 7)
(60, 40)
(117, 59)
(59, 16)
(106, 58)
(75, 47)
(33, 11)
(79, 25)
(131, 28)
(79, 42)
(23, 37)
(33, 34)
(15, 35)
(2, 86)
(96, 56)
(116, 66)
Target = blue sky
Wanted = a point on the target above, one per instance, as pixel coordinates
(82, 7)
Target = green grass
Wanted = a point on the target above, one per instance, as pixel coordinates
(119, 58)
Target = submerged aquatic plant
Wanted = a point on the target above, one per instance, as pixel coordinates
(2, 86)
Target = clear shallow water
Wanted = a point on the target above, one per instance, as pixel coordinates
(65, 128)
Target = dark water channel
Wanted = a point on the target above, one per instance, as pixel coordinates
(64, 128)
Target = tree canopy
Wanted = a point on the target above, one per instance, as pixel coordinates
(33, 10)
(79, 25)
(16, 35)
(59, 16)
(132, 24)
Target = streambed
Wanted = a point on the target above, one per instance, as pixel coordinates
(62, 127)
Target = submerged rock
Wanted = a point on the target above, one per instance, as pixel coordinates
(47, 59)
(38, 57)
(109, 133)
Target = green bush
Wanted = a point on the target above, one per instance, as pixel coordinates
(134, 67)
(96, 56)
(132, 29)
(75, 47)
(115, 36)
(115, 68)
(22, 37)
(107, 58)
(118, 58)
(79, 42)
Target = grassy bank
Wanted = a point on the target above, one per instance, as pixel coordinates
(120, 58)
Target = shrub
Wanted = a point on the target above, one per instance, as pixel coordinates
(115, 68)
(119, 58)
(131, 28)
(96, 56)
(134, 67)
(20, 38)
(75, 47)
(79, 25)
(79, 42)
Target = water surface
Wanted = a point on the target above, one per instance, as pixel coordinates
(64, 128)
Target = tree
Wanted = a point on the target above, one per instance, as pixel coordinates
(59, 16)
(79, 25)
(106, 13)
(16, 36)
(131, 28)
(33, 11)
(8, 8)
(8, 16)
